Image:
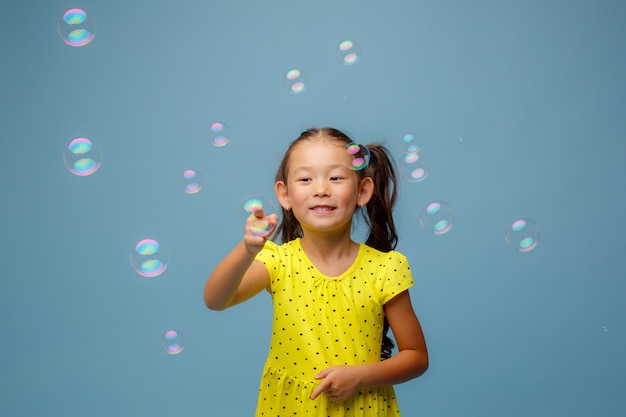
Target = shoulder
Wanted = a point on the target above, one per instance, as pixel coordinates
(274, 252)
(292, 246)
(384, 259)
(389, 272)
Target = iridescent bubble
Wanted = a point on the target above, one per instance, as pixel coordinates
(260, 227)
(410, 144)
(82, 157)
(76, 28)
(296, 81)
(252, 205)
(173, 342)
(360, 154)
(437, 217)
(348, 52)
(191, 180)
(148, 258)
(522, 234)
(414, 167)
(219, 134)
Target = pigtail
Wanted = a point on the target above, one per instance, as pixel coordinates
(378, 214)
(379, 210)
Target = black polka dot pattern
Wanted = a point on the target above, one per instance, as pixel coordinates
(322, 321)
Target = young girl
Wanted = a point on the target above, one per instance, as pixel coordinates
(333, 298)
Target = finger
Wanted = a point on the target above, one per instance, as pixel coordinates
(320, 388)
(323, 373)
(260, 227)
(259, 213)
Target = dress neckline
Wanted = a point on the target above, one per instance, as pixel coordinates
(341, 276)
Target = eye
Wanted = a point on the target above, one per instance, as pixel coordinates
(336, 178)
(303, 179)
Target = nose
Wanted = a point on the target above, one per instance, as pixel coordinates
(321, 189)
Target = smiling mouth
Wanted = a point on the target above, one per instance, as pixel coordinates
(322, 209)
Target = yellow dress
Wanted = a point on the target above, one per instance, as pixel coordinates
(322, 321)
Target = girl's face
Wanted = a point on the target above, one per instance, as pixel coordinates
(321, 188)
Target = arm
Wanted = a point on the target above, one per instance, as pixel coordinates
(341, 382)
(238, 276)
(411, 360)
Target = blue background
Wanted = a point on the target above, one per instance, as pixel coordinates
(519, 104)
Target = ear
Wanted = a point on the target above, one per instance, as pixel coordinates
(366, 191)
(280, 188)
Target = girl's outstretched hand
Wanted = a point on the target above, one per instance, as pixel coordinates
(258, 228)
(339, 382)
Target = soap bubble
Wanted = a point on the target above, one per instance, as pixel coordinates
(260, 227)
(296, 81)
(148, 258)
(437, 217)
(410, 144)
(348, 52)
(173, 342)
(82, 157)
(522, 234)
(219, 134)
(414, 167)
(191, 180)
(76, 28)
(360, 155)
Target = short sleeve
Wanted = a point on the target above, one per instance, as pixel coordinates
(397, 276)
(270, 257)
